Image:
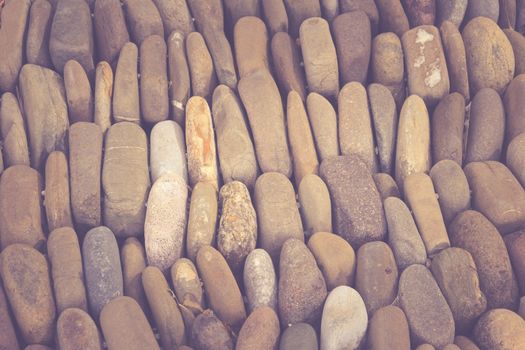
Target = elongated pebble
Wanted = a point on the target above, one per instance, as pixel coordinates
(56, 195)
(260, 331)
(111, 32)
(143, 19)
(260, 281)
(126, 100)
(448, 122)
(323, 121)
(175, 15)
(274, 13)
(200, 64)
(388, 329)
(315, 205)
(103, 95)
(188, 290)
(167, 151)
(287, 64)
(79, 97)
(133, 260)
(14, 138)
(386, 185)
(178, 75)
(39, 25)
(251, 45)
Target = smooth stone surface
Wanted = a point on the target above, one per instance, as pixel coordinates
(393, 17)
(403, 235)
(43, 97)
(322, 73)
(71, 35)
(125, 326)
(165, 222)
(368, 6)
(514, 107)
(302, 289)
(200, 143)
(103, 272)
(167, 151)
(133, 260)
(126, 101)
(251, 45)
(452, 188)
(384, 116)
(413, 140)
(67, 273)
(7, 328)
(451, 10)
(299, 11)
(262, 101)
(500, 329)
(486, 130)
(56, 192)
(78, 93)
(125, 179)
(426, 64)
(299, 336)
(202, 218)
(200, 65)
(277, 213)
(335, 258)
(518, 47)
(497, 194)
(85, 164)
(222, 291)
(234, 145)
(344, 321)
(143, 19)
(515, 160)
(323, 121)
(14, 138)
(485, 8)
(476, 234)
(315, 205)
(188, 290)
(428, 314)
(163, 308)
(302, 148)
(376, 275)
(456, 57)
(260, 281)
(237, 231)
(27, 285)
(39, 25)
(111, 32)
(21, 207)
(103, 95)
(386, 185)
(448, 122)
(455, 273)
(275, 16)
(178, 75)
(388, 329)
(357, 207)
(154, 99)
(287, 64)
(77, 330)
(260, 331)
(355, 124)
(175, 15)
(481, 37)
(208, 332)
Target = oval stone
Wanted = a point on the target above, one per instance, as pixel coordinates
(420, 12)
(260, 282)
(208, 332)
(287, 64)
(393, 17)
(14, 139)
(103, 95)
(299, 336)
(448, 123)
(200, 64)
(77, 330)
(126, 100)
(451, 10)
(178, 74)
(323, 121)
(518, 47)
(175, 15)
(299, 11)
(455, 55)
(133, 259)
(500, 329)
(143, 19)
(111, 32)
(514, 107)
(388, 329)
(251, 45)
(386, 185)
(368, 6)
(78, 93)
(168, 151)
(275, 16)
(188, 290)
(260, 331)
(315, 205)
(56, 191)
(39, 24)
(484, 8)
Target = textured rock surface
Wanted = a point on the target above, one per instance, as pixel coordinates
(14, 137)
(260, 281)
(448, 123)
(315, 205)
(323, 121)
(126, 100)
(39, 25)
(76, 329)
(260, 331)
(56, 192)
(78, 93)
(178, 75)
(500, 329)
(110, 29)
(287, 64)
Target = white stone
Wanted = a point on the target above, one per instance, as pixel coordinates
(168, 150)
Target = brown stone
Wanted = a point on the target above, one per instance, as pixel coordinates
(133, 260)
(323, 121)
(456, 58)
(260, 331)
(251, 45)
(188, 291)
(143, 19)
(518, 47)
(103, 95)
(126, 100)
(420, 12)
(14, 139)
(200, 64)
(178, 75)
(388, 329)
(500, 329)
(465, 343)
(517, 256)
(275, 16)
(78, 93)
(514, 108)
(299, 11)
(287, 64)
(39, 25)
(368, 6)
(393, 17)
(77, 330)
(315, 205)
(111, 32)
(386, 185)
(7, 329)
(175, 16)
(448, 122)
(56, 195)
(208, 332)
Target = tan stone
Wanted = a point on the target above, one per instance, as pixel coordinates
(56, 195)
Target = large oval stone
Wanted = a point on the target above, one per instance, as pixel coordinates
(260, 331)
(500, 329)
(260, 282)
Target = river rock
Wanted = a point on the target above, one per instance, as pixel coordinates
(481, 36)
(330, 9)
(264, 108)
(315, 205)
(465, 343)
(450, 10)
(78, 93)
(125, 326)
(388, 329)
(163, 308)
(7, 329)
(486, 127)
(368, 6)
(125, 179)
(71, 36)
(202, 218)
(14, 21)
(260, 282)
(154, 100)
(384, 117)
(126, 101)
(300, 138)
(251, 45)
(518, 47)
(413, 140)
(420, 12)
(77, 330)
(357, 208)
(21, 207)
(143, 19)
(260, 331)
(222, 291)
(448, 122)
(103, 95)
(393, 17)
(485, 8)
(323, 121)
(200, 143)
(299, 336)
(299, 11)
(167, 151)
(319, 57)
(85, 163)
(67, 272)
(426, 64)
(178, 75)
(27, 285)
(515, 159)
(352, 37)
(287, 64)
(500, 329)
(188, 290)
(456, 58)
(275, 16)
(302, 289)
(335, 257)
(39, 25)
(355, 125)
(208, 332)
(200, 64)
(45, 110)
(429, 317)
(452, 188)
(111, 32)
(14, 139)
(476, 234)
(514, 107)
(165, 222)
(386, 185)
(102, 267)
(133, 259)
(56, 195)
(277, 213)
(376, 275)
(175, 15)
(497, 194)
(234, 144)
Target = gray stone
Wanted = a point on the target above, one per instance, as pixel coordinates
(514, 108)
(260, 281)
(299, 336)
(451, 10)
(485, 8)
(275, 16)
(110, 29)
(167, 150)
(299, 11)
(175, 16)
(14, 138)
(178, 75)
(200, 64)
(448, 123)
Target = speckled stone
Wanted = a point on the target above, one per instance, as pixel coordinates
(500, 329)
(260, 281)
(448, 123)
(208, 332)
(14, 138)
(451, 10)
(260, 331)
(7, 328)
(77, 330)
